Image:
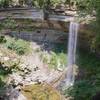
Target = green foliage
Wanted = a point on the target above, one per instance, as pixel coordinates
(4, 3)
(89, 62)
(55, 2)
(82, 90)
(2, 39)
(1, 83)
(58, 56)
(45, 58)
(44, 3)
(88, 85)
(96, 5)
(57, 60)
(95, 45)
(19, 46)
(8, 23)
(54, 60)
(83, 4)
(38, 3)
(5, 71)
(8, 69)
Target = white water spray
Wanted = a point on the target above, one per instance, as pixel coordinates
(72, 42)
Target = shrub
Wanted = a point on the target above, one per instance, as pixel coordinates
(53, 61)
(82, 90)
(1, 83)
(2, 39)
(8, 23)
(10, 43)
(57, 60)
(88, 83)
(19, 46)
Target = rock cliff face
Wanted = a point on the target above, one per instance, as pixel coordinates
(85, 34)
(57, 31)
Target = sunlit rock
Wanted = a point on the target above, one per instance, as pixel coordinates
(1, 54)
(6, 58)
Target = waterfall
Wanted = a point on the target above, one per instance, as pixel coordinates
(72, 42)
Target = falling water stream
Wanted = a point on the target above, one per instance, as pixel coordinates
(72, 43)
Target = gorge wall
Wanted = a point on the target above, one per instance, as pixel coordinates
(57, 31)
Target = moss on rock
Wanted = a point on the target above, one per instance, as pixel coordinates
(41, 92)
